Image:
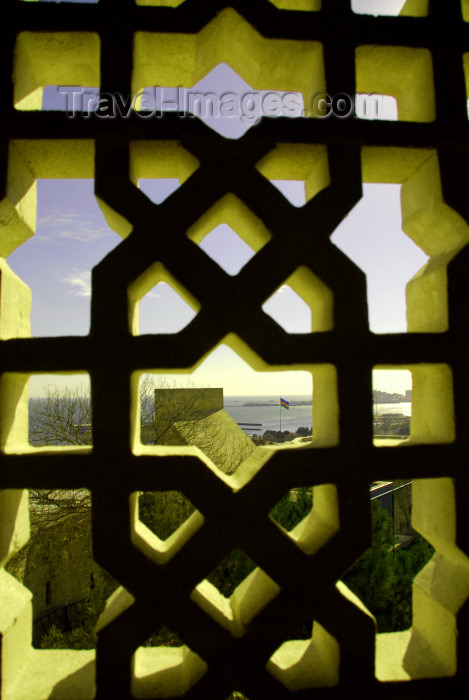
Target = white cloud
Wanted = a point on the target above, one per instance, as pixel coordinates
(80, 283)
(72, 226)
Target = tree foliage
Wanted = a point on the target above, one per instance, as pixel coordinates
(164, 511)
(62, 417)
(382, 577)
(292, 508)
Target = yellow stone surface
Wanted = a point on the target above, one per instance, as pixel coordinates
(53, 58)
(405, 73)
(271, 64)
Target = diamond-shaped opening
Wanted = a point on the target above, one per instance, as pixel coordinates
(307, 663)
(45, 412)
(163, 310)
(159, 168)
(50, 192)
(53, 58)
(229, 233)
(163, 512)
(293, 507)
(224, 102)
(303, 304)
(392, 406)
(162, 522)
(234, 436)
(403, 8)
(158, 303)
(235, 592)
(299, 171)
(402, 72)
(309, 516)
(430, 409)
(372, 237)
(227, 249)
(289, 310)
(69, 590)
(195, 62)
(158, 189)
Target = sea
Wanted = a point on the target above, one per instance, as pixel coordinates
(265, 412)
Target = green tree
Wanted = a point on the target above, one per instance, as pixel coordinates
(164, 511)
(293, 507)
(382, 577)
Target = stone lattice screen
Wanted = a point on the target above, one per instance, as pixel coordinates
(123, 47)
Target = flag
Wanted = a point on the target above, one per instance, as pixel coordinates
(284, 403)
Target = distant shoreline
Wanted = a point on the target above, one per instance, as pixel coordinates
(257, 404)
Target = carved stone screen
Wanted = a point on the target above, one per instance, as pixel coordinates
(243, 644)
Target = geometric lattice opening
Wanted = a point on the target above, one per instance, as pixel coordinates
(158, 189)
(308, 516)
(289, 310)
(430, 223)
(293, 507)
(159, 168)
(372, 236)
(235, 592)
(53, 58)
(392, 406)
(307, 663)
(428, 648)
(303, 304)
(298, 163)
(227, 249)
(163, 310)
(69, 590)
(57, 417)
(71, 237)
(382, 577)
(161, 523)
(167, 310)
(191, 421)
(169, 59)
(225, 244)
(163, 512)
(60, 411)
(166, 46)
(432, 409)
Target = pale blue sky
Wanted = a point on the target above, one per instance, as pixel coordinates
(72, 236)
